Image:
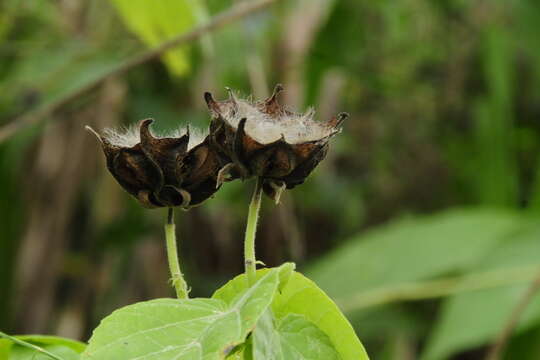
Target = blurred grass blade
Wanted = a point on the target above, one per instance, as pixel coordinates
(495, 174)
(534, 204)
(411, 250)
(473, 319)
(440, 287)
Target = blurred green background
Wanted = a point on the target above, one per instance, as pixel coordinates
(422, 223)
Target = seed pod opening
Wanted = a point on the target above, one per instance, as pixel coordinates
(177, 170)
(263, 139)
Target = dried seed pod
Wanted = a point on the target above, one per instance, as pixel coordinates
(265, 140)
(161, 171)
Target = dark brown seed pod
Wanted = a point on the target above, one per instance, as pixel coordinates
(161, 171)
(263, 139)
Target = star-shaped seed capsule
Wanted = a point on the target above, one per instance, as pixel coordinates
(263, 139)
(178, 170)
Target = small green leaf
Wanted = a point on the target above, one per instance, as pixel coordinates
(182, 329)
(21, 353)
(265, 338)
(301, 296)
(301, 339)
(292, 338)
(236, 286)
(44, 340)
(65, 349)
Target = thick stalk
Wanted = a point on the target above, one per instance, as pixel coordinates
(177, 279)
(251, 229)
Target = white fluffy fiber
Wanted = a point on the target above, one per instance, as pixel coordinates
(265, 129)
(130, 136)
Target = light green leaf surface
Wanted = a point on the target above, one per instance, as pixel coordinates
(21, 353)
(411, 250)
(157, 21)
(66, 349)
(474, 318)
(44, 340)
(232, 289)
(5, 347)
(266, 339)
(291, 338)
(166, 329)
(302, 296)
(301, 339)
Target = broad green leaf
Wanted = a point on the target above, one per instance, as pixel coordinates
(157, 21)
(291, 338)
(410, 250)
(474, 318)
(182, 329)
(302, 296)
(66, 349)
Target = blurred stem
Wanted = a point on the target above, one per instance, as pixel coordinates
(29, 346)
(251, 229)
(180, 285)
(40, 113)
(200, 10)
(497, 349)
(438, 288)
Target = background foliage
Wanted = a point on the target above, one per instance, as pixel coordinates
(422, 223)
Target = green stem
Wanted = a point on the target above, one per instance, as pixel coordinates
(179, 284)
(30, 346)
(251, 229)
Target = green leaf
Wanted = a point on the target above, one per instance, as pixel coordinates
(301, 296)
(44, 340)
(66, 349)
(301, 339)
(474, 318)
(157, 21)
(266, 339)
(230, 291)
(292, 338)
(182, 329)
(5, 347)
(411, 250)
(18, 352)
